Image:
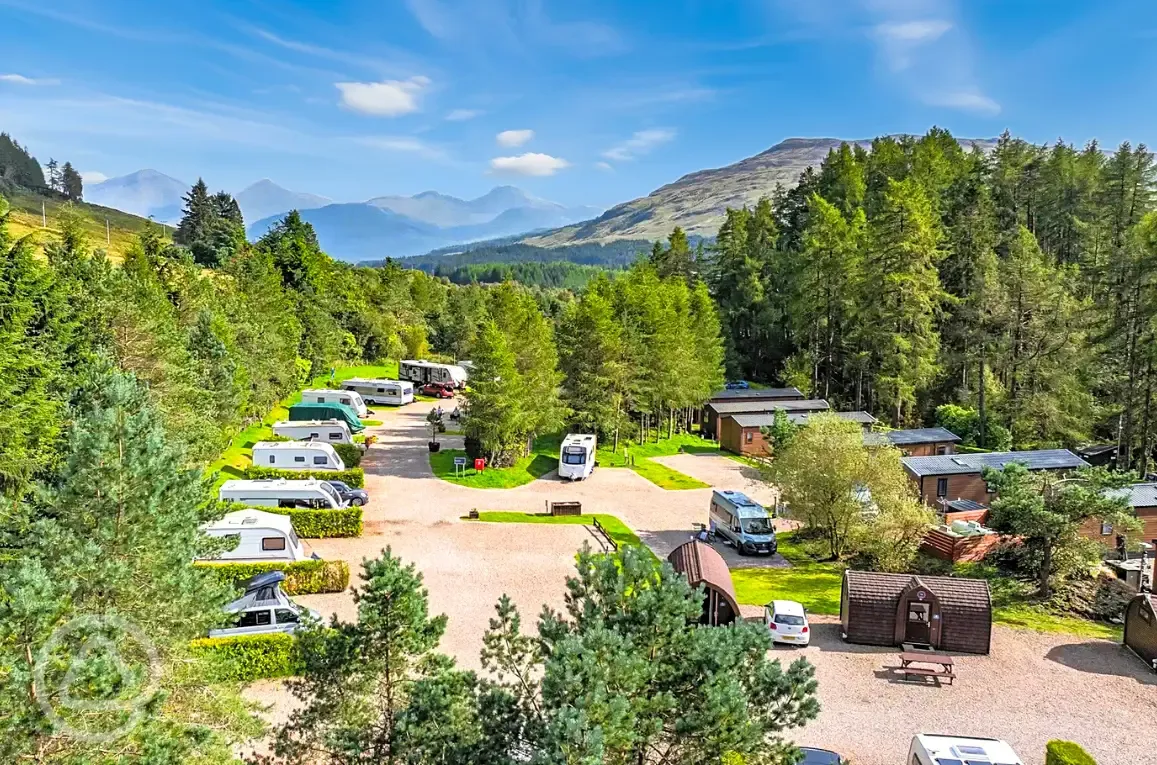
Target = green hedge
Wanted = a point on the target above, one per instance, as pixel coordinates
(1067, 753)
(248, 657)
(355, 477)
(306, 577)
(351, 454)
(320, 524)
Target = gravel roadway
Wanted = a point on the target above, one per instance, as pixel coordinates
(1032, 688)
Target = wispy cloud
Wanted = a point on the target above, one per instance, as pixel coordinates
(403, 144)
(531, 163)
(391, 98)
(970, 101)
(899, 41)
(461, 115)
(93, 176)
(512, 138)
(19, 79)
(642, 142)
(605, 167)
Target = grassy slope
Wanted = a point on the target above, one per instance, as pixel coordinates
(817, 586)
(238, 455)
(618, 530)
(124, 228)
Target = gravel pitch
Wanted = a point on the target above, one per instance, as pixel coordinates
(1034, 687)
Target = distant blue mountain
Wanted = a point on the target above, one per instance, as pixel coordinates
(146, 193)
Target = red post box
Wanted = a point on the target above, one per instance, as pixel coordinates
(479, 465)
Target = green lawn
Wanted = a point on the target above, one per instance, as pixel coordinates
(238, 456)
(542, 460)
(660, 475)
(618, 530)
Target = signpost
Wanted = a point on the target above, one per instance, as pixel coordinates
(459, 466)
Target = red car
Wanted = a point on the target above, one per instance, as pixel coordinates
(437, 390)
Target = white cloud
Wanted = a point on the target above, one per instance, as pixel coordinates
(605, 167)
(391, 98)
(969, 101)
(530, 163)
(404, 144)
(19, 79)
(512, 138)
(638, 144)
(461, 115)
(914, 31)
(93, 176)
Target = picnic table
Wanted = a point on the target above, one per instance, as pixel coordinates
(943, 661)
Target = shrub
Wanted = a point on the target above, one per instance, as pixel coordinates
(306, 577)
(248, 657)
(355, 477)
(320, 524)
(351, 454)
(1067, 753)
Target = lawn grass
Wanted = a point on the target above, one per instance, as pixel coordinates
(813, 584)
(542, 460)
(660, 475)
(239, 454)
(618, 530)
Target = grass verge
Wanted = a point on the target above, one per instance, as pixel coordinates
(618, 530)
(542, 460)
(637, 457)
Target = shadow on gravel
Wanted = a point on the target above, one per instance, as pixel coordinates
(1100, 657)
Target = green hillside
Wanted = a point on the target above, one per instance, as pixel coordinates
(28, 217)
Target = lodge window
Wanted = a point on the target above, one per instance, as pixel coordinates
(941, 450)
(941, 487)
(271, 544)
(747, 436)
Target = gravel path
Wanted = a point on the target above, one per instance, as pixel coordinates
(1032, 688)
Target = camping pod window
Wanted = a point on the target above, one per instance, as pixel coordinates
(270, 544)
(320, 460)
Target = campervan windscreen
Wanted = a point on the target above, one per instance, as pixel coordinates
(574, 455)
(757, 525)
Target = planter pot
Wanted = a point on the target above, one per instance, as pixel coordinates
(434, 446)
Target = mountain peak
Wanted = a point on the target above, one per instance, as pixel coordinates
(265, 198)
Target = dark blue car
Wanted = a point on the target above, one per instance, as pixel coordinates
(813, 756)
(737, 385)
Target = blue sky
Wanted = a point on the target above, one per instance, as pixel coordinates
(582, 102)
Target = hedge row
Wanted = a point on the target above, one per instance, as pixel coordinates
(355, 477)
(248, 657)
(1067, 753)
(319, 524)
(305, 577)
(351, 454)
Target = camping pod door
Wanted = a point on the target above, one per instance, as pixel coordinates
(918, 616)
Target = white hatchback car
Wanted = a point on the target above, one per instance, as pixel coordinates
(787, 622)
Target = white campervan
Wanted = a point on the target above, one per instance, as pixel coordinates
(388, 392)
(282, 492)
(938, 749)
(325, 431)
(296, 455)
(260, 536)
(576, 458)
(422, 372)
(264, 609)
(346, 396)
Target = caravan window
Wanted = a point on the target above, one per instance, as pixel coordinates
(255, 618)
(346, 401)
(272, 543)
(320, 460)
(299, 459)
(272, 459)
(574, 456)
(334, 435)
(321, 399)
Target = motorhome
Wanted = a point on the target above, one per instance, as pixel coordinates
(296, 455)
(282, 492)
(260, 536)
(938, 749)
(325, 431)
(740, 520)
(264, 609)
(388, 392)
(576, 458)
(347, 396)
(423, 371)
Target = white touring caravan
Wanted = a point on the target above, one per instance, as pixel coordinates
(260, 536)
(347, 396)
(281, 492)
(296, 455)
(388, 392)
(576, 459)
(938, 749)
(422, 372)
(325, 431)
(264, 609)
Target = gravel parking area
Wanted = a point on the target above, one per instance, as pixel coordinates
(1032, 688)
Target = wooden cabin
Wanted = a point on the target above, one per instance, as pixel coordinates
(959, 476)
(947, 613)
